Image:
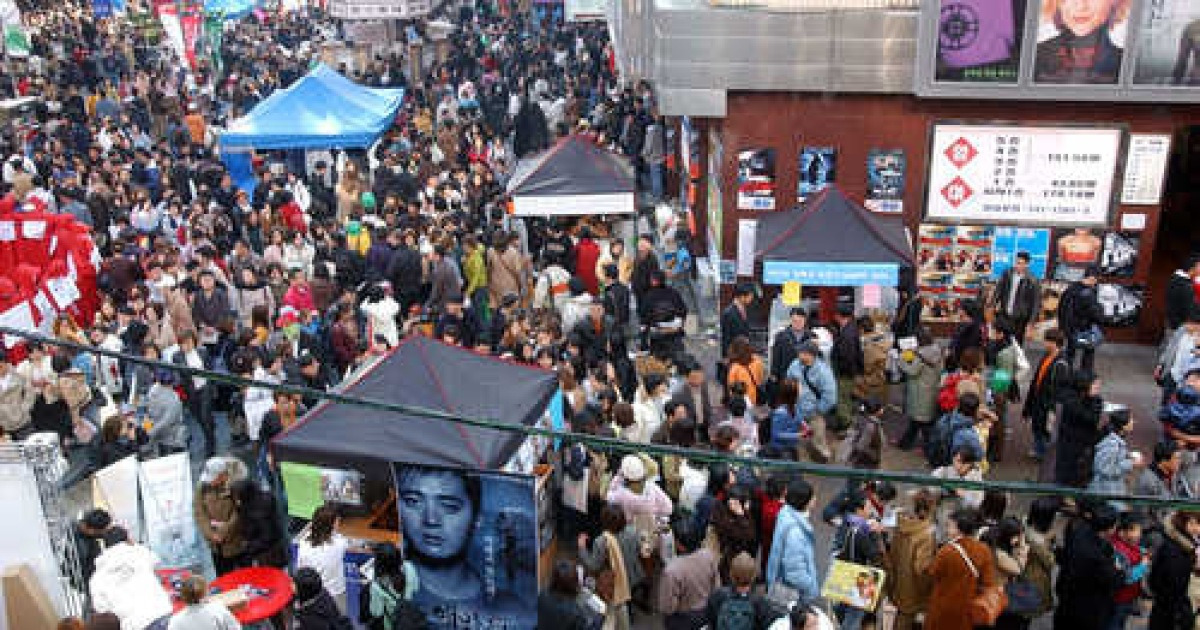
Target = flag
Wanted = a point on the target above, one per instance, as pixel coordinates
(16, 40)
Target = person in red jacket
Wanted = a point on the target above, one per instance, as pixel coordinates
(292, 214)
(587, 252)
(299, 295)
(1134, 563)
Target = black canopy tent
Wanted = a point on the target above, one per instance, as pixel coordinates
(575, 177)
(429, 374)
(831, 241)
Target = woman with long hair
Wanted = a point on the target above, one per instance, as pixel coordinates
(323, 550)
(745, 366)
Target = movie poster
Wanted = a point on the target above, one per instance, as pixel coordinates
(954, 264)
(979, 41)
(166, 484)
(1009, 241)
(1081, 42)
(1120, 305)
(1074, 251)
(1169, 44)
(756, 179)
(1119, 257)
(472, 537)
(818, 169)
(885, 181)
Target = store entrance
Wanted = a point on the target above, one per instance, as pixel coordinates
(1179, 225)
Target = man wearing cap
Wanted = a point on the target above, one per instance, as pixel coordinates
(1079, 316)
(639, 497)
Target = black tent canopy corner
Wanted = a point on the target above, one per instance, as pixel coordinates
(573, 177)
(831, 228)
(424, 373)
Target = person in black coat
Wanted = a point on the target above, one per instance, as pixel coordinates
(1050, 382)
(735, 321)
(405, 272)
(1181, 296)
(261, 529)
(1079, 312)
(1078, 432)
(786, 346)
(1017, 296)
(645, 263)
(559, 607)
(1088, 576)
(314, 608)
(968, 334)
(1171, 571)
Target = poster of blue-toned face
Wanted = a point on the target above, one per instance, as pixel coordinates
(885, 181)
(472, 538)
(1009, 241)
(818, 169)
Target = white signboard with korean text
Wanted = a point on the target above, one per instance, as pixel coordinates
(1145, 169)
(989, 174)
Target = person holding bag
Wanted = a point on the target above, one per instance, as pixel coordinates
(791, 565)
(962, 570)
(613, 558)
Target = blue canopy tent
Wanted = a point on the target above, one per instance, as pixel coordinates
(229, 9)
(322, 110)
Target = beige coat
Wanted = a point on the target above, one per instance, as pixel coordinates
(908, 559)
(216, 516)
(506, 274)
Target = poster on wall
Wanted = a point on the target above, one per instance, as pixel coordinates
(1168, 51)
(997, 174)
(714, 197)
(1074, 251)
(1145, 169)
(1008, 241)
(954, 264)
(756, 179)
(818, 169)
(885, 181)
(1120, 305)
(747, 235)
(1119, 257)
(472, 538)
(1081, 42)
(980, 40)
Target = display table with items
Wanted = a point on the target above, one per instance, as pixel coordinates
(253, 594)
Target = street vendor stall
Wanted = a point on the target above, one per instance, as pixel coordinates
(832, 242)
(462, 498)
(575, 177)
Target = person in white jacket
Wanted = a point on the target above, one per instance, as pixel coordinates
(125, 584)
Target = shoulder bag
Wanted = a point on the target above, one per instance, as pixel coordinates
(989, 601)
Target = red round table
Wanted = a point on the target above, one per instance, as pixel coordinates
(276, 582)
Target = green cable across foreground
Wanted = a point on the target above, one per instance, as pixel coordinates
(613, 444)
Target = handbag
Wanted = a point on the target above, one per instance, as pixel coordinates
(1023, 597)
(989, 601)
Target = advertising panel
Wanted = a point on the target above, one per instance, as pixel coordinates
(818, 169)
(979, 40)
(1081, 42)
(1168, 47)
(472, 538)
(996, 174)
(756, 179)
(1145, 169)
(885, 181)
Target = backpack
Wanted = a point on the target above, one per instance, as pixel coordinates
(948, 394)
(736, 613)
(941, 436)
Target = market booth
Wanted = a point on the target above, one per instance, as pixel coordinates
(408, 477)
(575, 177)
(322, 110)
(830, 242)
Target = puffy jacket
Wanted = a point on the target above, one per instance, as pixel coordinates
(125, 584)
(793, 558)
(785, 428)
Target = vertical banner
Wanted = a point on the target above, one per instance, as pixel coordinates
(885, 181)
(167, 503)
(818, 169)
(1169, 44)
(756, 179)
(16, 40)
(472, 537)
(747, 235)
(191, 22)
(115, 488)
(169, 18)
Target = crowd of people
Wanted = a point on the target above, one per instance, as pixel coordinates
(318, 271)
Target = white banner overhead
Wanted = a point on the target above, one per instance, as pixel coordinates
(997, 174)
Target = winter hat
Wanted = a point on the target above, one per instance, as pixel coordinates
(633, 469)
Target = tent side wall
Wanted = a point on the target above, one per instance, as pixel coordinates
(573, 205)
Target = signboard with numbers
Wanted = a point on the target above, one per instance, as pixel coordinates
(998, 174)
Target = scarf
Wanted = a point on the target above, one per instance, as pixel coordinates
(616, 563)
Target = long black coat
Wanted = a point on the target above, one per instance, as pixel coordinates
(1169, 577)
(1087, 579)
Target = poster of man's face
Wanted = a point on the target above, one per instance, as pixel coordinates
(1168, 50)
(472, 537)
(979, 41)
(1081, 41)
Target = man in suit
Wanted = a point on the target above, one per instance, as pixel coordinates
(1017, 296)
(693, 394)
(735, 322)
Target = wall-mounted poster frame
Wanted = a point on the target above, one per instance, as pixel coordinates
(1002, 173)
(965, 49)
